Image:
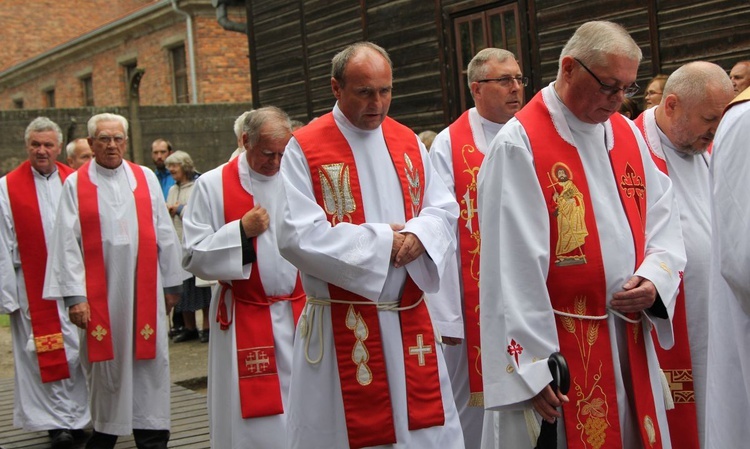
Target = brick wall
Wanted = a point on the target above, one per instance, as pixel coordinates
(223, 73)
(31, 27)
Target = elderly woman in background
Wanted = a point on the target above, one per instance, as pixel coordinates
(180, 165)
(654, 91)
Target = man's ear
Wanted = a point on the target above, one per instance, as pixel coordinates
(670, 103)
(336, 88)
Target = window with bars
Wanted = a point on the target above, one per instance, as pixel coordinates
(179, 74)
(496, 27)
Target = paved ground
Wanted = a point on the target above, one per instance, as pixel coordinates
(188, 360)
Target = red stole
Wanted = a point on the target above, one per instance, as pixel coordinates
(260, 390)
(576, 280)
(356, 328)
(466, 162)
(99, 331)
(32, 248)
(676, 362)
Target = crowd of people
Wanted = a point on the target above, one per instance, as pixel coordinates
(337, 267)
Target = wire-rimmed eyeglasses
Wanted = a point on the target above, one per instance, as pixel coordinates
(507, 81)
(607, 89)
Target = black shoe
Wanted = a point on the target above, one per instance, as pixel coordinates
(175, 331)
(61, 438)
(186, 335)
(204, 336)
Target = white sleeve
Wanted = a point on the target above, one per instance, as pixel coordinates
(213, 249)
(731, 213)
(8, 255)
(514, 302)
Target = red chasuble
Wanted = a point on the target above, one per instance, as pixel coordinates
(576, 280)
(260, 390)
(356, 328)
(98, 331)
(676, 362)
(466, 162)
(32, 248)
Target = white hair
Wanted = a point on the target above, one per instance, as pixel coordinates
(70, 148)
(106, 117)
(594, 41)
(238, 123)
(41, 124)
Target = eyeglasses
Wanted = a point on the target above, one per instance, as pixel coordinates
(105, 140)
(507, 81)
(607, 89)
(652, 92)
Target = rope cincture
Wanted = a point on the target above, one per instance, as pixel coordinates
(391, 306)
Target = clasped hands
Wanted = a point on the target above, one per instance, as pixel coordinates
(406, 246)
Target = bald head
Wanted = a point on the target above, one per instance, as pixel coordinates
(740, 76)
(695, 96)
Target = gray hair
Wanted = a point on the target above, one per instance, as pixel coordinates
(594, 41)
(182, 159)
(339, 62)
(238, 123)
(106, 117)
(70, 148)
(281, 126)
(692, 81)
(478, 69)
(41, 124)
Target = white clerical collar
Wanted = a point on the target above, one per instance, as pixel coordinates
(344, 122)
(565, 121)
(96, 170)
(482, 130)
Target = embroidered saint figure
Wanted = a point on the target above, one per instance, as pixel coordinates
(570, 212)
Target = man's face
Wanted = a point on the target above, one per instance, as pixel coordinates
(265, 156)
(365, 95)
(109, 144)
(740, 76)
(43, 148)
(694, 122)
(159, 153)
(585, 98)
(81, 154)
(495, 102)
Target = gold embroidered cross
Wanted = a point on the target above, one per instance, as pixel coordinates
(420, 350)
(99, 332)
(147, 332)
(257, 362)
(47, 343)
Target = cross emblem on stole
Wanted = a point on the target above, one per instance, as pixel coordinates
(257, 361)
(99, 332)
(420, 349)
(147, 331)
(47, 343)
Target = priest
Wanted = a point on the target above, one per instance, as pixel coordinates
(678, 132)
(496, 84)
(582, 254)
(50, 387)
(115, 261)
(230, 231)
(370, 226)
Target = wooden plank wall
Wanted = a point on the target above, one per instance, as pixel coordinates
(294, 41)
(715, 31)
